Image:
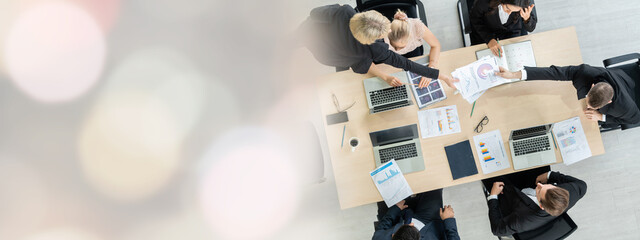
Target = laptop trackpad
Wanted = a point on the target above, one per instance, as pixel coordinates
(534, 160)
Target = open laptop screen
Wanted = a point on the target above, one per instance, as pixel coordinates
(394, 135)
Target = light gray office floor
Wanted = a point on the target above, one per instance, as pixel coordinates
(611, 207)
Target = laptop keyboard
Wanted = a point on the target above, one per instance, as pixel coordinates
(387, 95)
(398, 152)
(391, 106)
(531, 145)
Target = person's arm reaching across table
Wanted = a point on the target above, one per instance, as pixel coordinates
(381, 53)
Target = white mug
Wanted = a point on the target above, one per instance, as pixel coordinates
(354, 142)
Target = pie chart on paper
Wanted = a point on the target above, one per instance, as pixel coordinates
(484, 70)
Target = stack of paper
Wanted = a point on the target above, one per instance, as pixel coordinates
(515, 56)
(391, 183)
(477, 77)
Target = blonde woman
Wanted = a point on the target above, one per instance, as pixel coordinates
(407, 34)
(338, 36)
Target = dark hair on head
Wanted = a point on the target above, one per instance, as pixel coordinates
(555, 201)
(600, 94)
(493, 5)
(406, 232)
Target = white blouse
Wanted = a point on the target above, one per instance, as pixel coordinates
(504, 16)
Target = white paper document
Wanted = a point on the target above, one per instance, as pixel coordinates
(491, 152)
(515, 56)
(478, 77)
(502, 61)
(571, 140)
(417, 223)
(474, 97)
(439, 121)
(391, 183)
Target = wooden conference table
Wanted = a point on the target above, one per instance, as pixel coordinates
(509, 107)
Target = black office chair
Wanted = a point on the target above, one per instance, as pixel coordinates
(388, 8)
(558, 229)
(464, 8)
(632, 69)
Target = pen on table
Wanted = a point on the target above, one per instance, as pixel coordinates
(343, 129)
(474, 106)
(499, 49)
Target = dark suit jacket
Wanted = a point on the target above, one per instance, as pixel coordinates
(329, 38)
(622, 109)
(434, 230)
(488, 26)
(524, 214)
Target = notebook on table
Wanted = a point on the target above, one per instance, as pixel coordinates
(461, 161)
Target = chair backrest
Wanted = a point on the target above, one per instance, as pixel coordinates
(413, 8)
(633, 70)
(560, 228)
(464, 8)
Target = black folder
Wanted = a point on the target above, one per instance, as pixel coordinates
(461, 161)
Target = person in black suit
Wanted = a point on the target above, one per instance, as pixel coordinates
(400, 222)
(609, 92)
(522, 202)
(338, 36)
(492, 20)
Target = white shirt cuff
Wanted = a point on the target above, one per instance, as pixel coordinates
(604, 117)
(524, 74)
(548, 175)
(492, 197)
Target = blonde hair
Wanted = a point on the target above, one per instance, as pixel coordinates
(369, 26)
(399, 28)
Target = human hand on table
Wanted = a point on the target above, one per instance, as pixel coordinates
(424, 82)
(448, 80)
(495, 47)
(593, 114)
(393, 81)
(504, 73)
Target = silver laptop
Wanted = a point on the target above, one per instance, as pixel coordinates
(532, 147)
(383, 97)
(401, 144)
